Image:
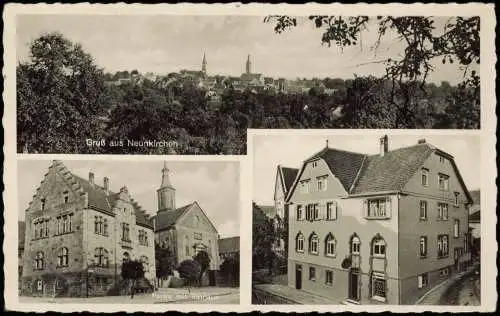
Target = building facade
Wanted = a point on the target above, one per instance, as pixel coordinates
(78, 234)
(186, 230)
(377, 229)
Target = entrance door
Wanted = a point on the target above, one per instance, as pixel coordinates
(298, 277)
(354, 284)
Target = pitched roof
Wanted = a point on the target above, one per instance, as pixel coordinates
(167, 218)
(289, 175)
(361, 173)
(98, 199)
(269, 210)
(475, 217)
(391, 171)
(21, 229)
(228, 245)
(343, 164)
(476, 196)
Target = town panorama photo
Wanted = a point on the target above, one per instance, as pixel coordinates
(194, 84)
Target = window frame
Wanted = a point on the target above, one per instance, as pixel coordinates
(424, 206)
(299, 240)
(329, 281)
(422, 280)
(456, 228)
(443, 209)
(378, 243)
(330, 240)
(443, 241)
(313, 240)
(312, 273)
(423, 241)
(424, 172)
(446, 182)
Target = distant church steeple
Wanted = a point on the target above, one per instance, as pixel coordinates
(166, 192)
(249, 65)
(204, 64)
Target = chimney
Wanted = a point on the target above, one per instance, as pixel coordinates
(91, 178)
(106, 184)
(421, 141)
(384, 145)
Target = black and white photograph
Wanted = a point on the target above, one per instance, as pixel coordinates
(193, 84)
(140, 232)
(366, 219)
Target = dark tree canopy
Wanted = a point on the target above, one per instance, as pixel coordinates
(165, 261)
(132, 270)
(189, 270)
(57, 97)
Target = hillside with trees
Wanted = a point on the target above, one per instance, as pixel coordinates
(64, 100)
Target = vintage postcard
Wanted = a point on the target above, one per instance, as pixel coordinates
(231, 157)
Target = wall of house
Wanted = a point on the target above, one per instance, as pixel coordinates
(350, 220)
(411, 227)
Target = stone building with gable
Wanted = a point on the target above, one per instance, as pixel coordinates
(77, 235)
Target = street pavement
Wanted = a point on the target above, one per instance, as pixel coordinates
(298, 296)
(457, 290)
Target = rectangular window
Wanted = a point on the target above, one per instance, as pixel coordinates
(443, 182)
(425, 177)
(331, 210)
(300, 215)
(43, 204)
(443, 246)
(300, 244)
(441, 159)
(312, 273)
(456, 199)
(198, 236)
(304, 186)
(377, 208)
(322, 183)
(442, 211)
(423, 280)
(444, 272)
(329, 277)
(456, 229)
(423, 246)
(423, 210)
(378, 286)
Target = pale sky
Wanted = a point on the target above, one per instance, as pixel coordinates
(291, 150)
(169, 43)
(214, 185)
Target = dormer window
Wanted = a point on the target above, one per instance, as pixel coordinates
(322, 183)
(443, 182)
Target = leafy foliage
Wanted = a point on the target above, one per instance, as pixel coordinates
(203, 260)
(57, 97)
(63, 99)
(264, 235)
(132, 270)
(165, 261)
(189, 270)
(230, 270)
